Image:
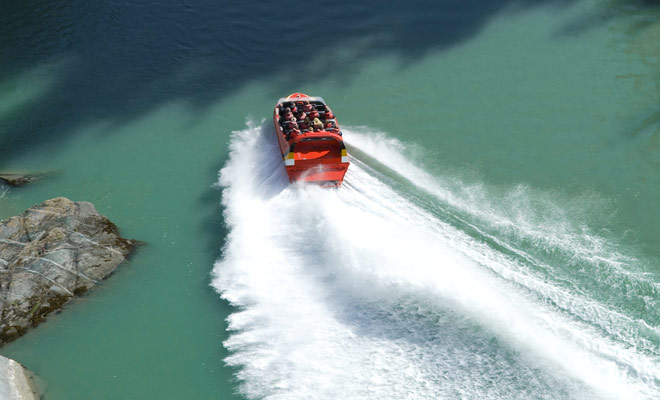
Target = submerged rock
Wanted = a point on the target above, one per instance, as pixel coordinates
(50, 253)
(16, 382)
(19, 179)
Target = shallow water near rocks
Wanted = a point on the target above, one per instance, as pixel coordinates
(494, 237)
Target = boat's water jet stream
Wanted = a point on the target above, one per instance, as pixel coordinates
(361, 293)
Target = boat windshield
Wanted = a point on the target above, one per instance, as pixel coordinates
(316, 99)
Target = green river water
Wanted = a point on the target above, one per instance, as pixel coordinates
(497, 235)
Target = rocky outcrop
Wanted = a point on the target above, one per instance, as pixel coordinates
(16, 382)
(50, 253)
(19, 179)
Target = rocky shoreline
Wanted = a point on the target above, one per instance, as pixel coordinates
(52, 252)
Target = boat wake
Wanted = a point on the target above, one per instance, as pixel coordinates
(400, 286)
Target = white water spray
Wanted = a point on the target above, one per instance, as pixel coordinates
(360, 293)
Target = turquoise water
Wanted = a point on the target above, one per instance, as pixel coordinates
(496, 235)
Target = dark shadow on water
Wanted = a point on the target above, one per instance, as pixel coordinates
(640, 13)
(115, 61)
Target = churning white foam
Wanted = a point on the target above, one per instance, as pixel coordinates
(516, 213)
(359, 293)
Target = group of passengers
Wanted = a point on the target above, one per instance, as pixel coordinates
(302, 117)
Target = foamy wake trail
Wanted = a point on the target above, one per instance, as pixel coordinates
(359, 293)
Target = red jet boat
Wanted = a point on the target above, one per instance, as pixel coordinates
(310, 140)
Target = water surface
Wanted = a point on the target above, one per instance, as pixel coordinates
(495, 236)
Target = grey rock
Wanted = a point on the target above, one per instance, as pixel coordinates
(50, 253)
(16, 382)
(14, 179)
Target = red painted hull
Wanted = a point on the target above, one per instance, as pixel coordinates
(317, 157)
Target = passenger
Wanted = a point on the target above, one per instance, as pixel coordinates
(292, 125)
(286, 120)
(304, 124)
(314, 114)
(301, 115)
(317, 124)
(331, 126)
(288, 115)
(307, 107)
(294, 132)
(328, 113)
